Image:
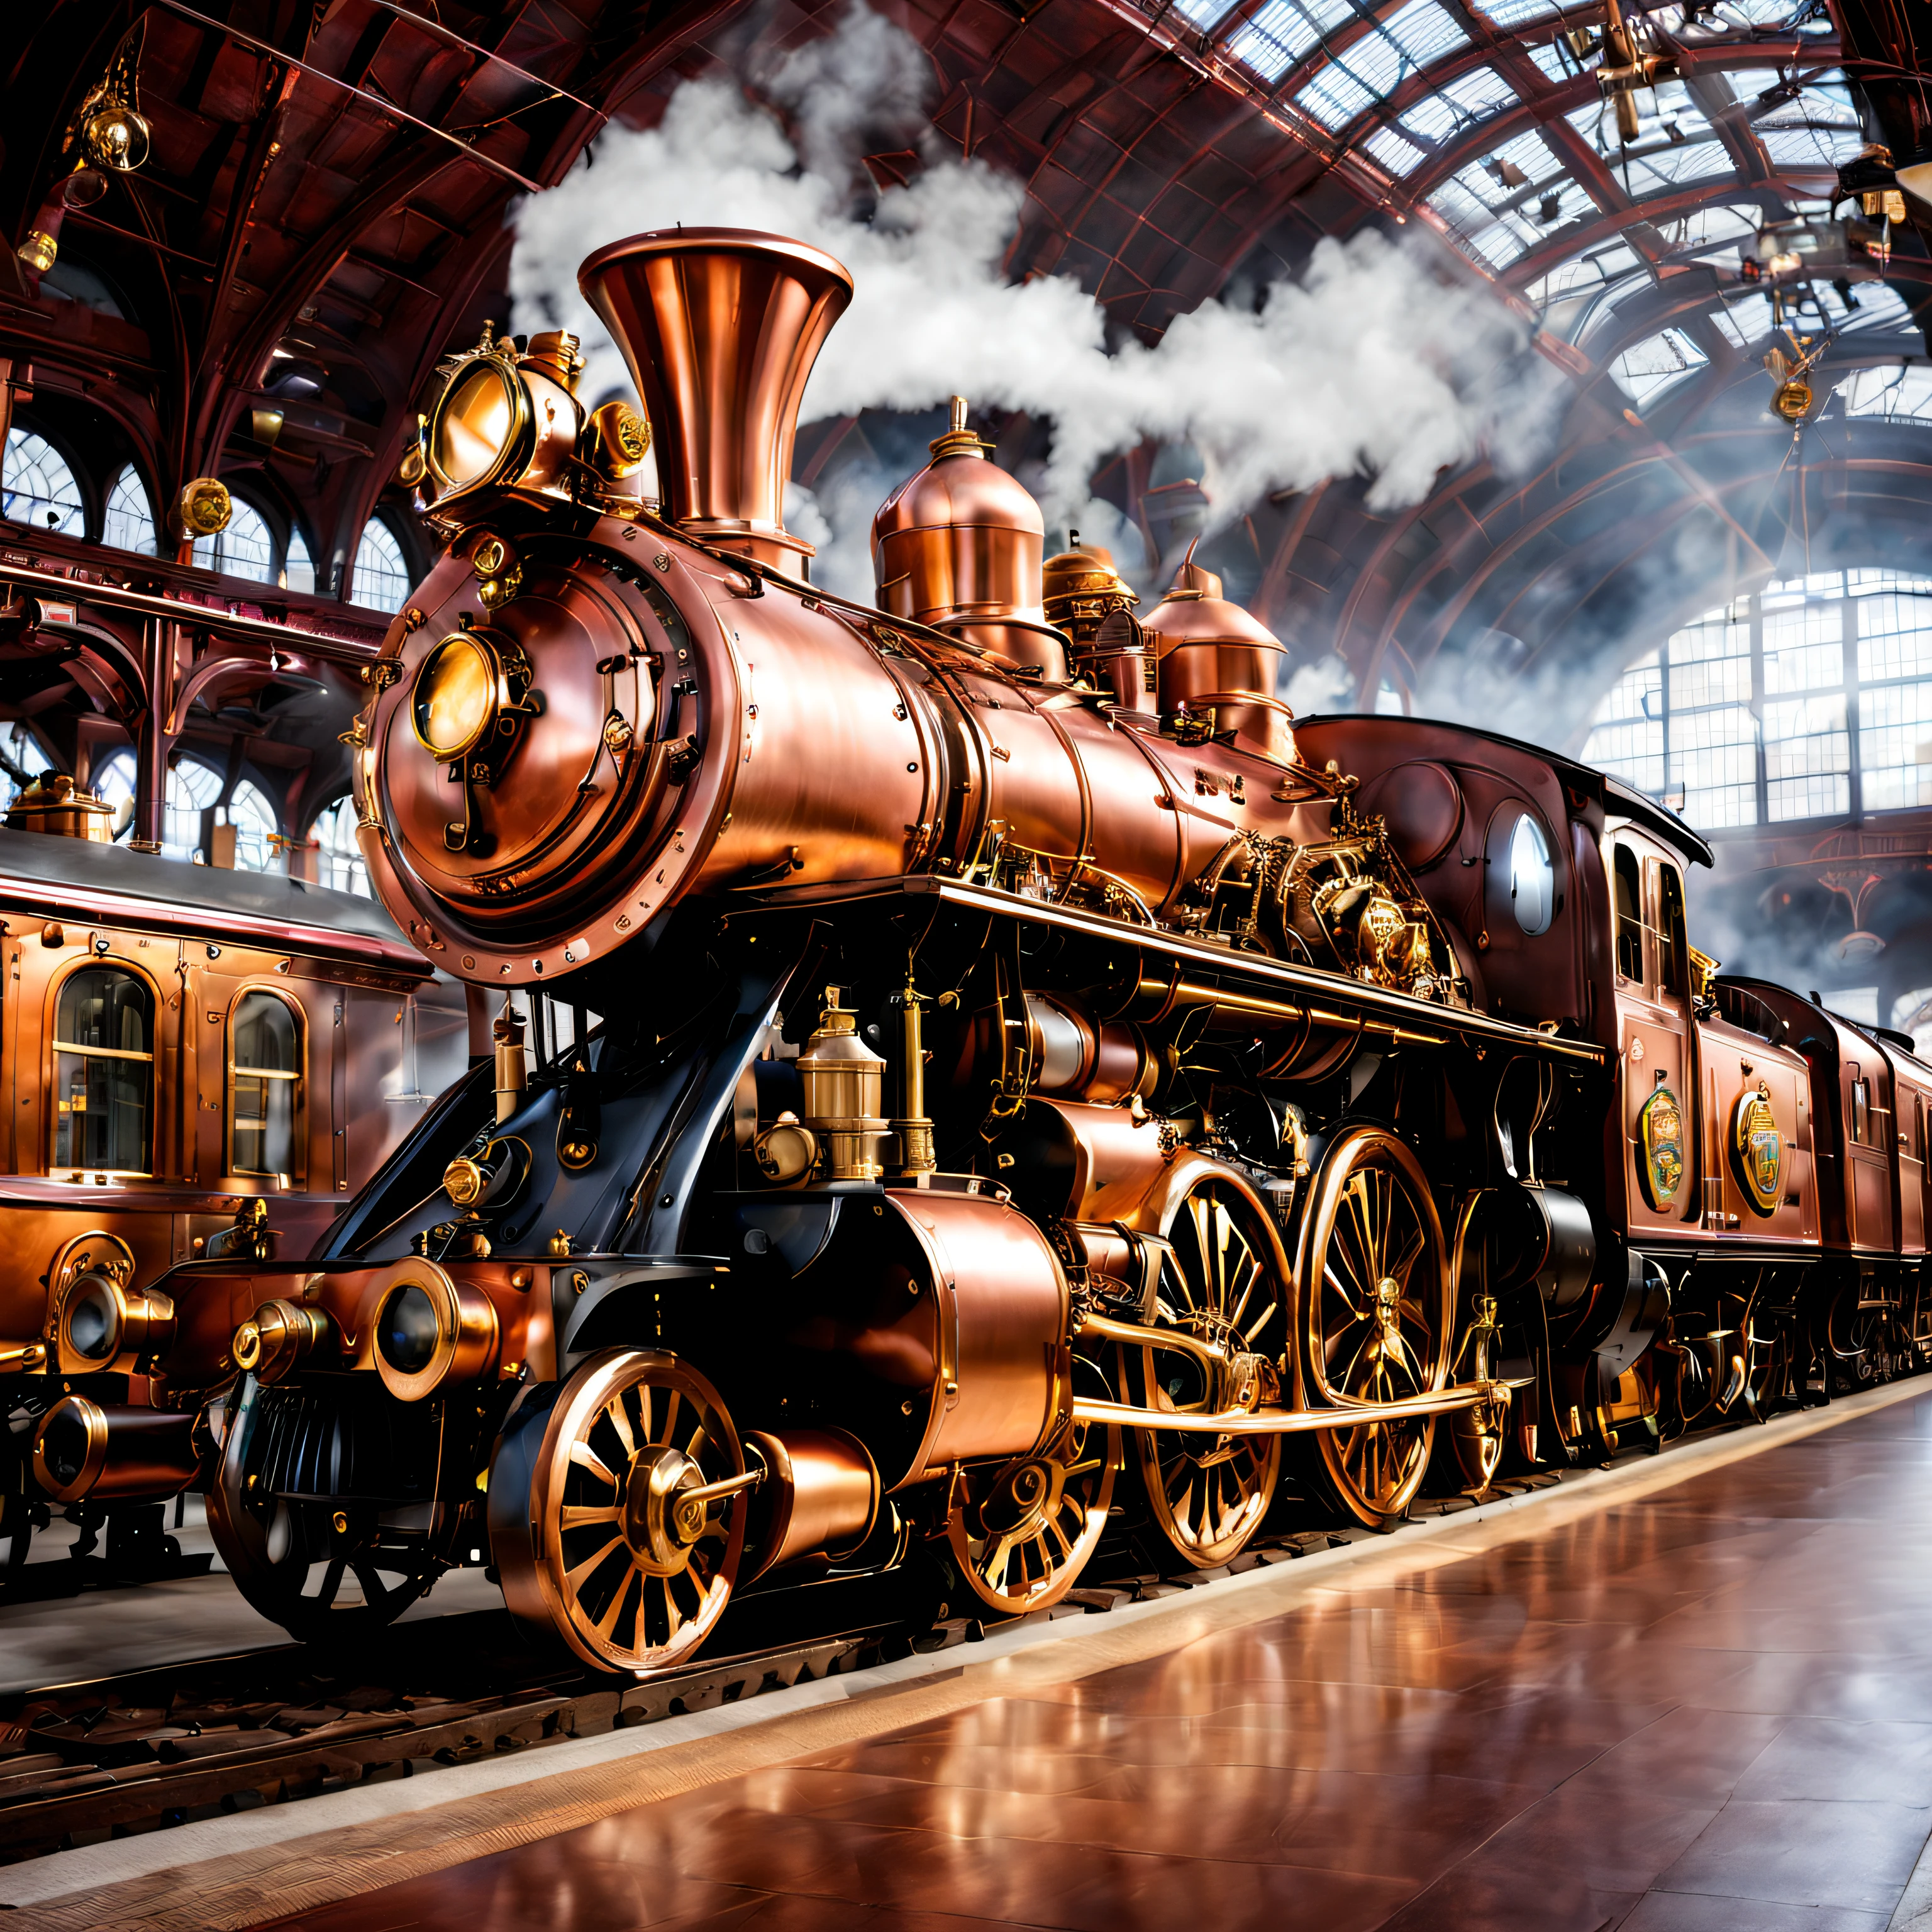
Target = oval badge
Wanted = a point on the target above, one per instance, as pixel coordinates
(1660, 1133)
(1757, 1149)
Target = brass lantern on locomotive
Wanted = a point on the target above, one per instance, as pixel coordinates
(508, 418)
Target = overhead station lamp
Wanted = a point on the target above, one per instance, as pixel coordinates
(108, 136)
(1635, 59)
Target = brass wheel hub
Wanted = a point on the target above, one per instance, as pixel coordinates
(1022, 1501)
(662, 1521)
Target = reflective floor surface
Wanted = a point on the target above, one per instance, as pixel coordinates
(1707, 1710)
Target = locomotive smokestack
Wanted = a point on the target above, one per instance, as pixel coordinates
(721, 327)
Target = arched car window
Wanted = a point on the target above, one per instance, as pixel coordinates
(103, 1073)
(265, 1070)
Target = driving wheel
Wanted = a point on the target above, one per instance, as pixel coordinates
(617, 1508)
(327, 1569)
(1222, 1282)
(1021, 1534)
(1376, 1319)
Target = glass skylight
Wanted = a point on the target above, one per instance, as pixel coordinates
(1657, 364)
(1516, 12)
(1902, 394)
(1398, 156)
(1206, 14)
(1279, 35)
(1369, 69)
(1464, 101)
(1583, 275)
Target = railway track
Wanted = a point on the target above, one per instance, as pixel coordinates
(144, 1750)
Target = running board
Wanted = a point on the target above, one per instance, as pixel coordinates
(1345, 1415)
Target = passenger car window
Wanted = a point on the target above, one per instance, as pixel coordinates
(104, 1072)
(1629, 886)
(264, 1084)
(1861, 1112)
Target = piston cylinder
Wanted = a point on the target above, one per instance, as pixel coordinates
(819, 1498)
(100, 1451)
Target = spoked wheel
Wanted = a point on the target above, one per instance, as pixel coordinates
(617, 1509)
(326, 1571)
(1021, 1535)
(1223, 1283)
(1376, 1319)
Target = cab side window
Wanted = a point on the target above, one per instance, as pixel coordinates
(1672, 943)
(104, 1051)
(265, 1070)
(1628, 883)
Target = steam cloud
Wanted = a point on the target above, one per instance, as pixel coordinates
(1368, 364)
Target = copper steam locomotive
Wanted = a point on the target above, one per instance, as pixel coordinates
(1023, 1080)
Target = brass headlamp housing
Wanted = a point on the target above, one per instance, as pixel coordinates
(506, 419)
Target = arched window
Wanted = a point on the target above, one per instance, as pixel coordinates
(36, 488)
(265, 1070)
(339, 858)
(22, 751)
(1810, 700)
(382, 579)
(247, 548)
(129, 522)
(193, 788)
(298, 572)
(253, 819)
(104, 1072)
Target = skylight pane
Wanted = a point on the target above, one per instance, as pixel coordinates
(1462, 102)
(1272, 40)
(1516, 12)
(1205, 14)
(1425, 32)
(1879, 306)
(1744, 319)
(1645, 371)
(1583, 274)
(1893, 395)
(1550, 57)
(1817, 150)
(1369, 69)
(1398, 156)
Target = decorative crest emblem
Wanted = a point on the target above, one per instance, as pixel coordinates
(1661, 1139)
(1757, 1149)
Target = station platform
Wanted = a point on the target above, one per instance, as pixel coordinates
(1691, 1693)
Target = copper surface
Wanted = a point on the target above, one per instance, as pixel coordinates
(820, 1497)
(721, 327)
(1212, 654)
(106, 1451)
(959, 547)
(53, 804)
(467, 1333)
(997, 1301)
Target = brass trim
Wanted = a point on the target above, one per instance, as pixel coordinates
(507, 459)
(1296, 1421)
(467, 1334)
(93, 1418)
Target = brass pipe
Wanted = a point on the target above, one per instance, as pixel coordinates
(1292, 1421)
(17, 1357)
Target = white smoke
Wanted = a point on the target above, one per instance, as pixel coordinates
(1368, 364)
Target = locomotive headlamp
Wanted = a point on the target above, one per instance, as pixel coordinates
(459, 692)
(481, 426)
(430, 1330)
(100, 1322)
(277, 1337)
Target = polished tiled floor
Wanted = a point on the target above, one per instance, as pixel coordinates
(1708, 1711)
